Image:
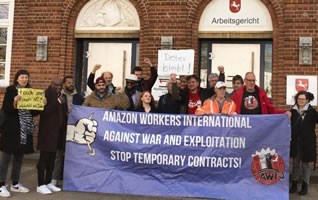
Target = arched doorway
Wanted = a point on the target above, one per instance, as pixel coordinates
(107, 33)
(238, 35)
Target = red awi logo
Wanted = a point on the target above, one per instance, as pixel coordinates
(301, 84)
(235, 6)
(267, 166)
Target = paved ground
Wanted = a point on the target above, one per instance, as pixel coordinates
(29, 179)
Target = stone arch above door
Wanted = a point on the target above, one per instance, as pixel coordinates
(108, 18)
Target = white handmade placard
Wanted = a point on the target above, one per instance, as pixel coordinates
(180, 62)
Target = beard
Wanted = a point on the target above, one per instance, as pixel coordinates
(101, 91)
(70, 89)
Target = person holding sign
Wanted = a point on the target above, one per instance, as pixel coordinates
(17, 133)
(191, 97)
(218, 103)
(303, 139)
(51, 135)
(167, 104)
(146, 103)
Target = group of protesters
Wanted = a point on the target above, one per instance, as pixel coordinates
(182, 98)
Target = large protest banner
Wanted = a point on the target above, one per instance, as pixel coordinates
(225, 157)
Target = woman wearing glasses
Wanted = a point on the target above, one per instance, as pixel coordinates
(303, 139)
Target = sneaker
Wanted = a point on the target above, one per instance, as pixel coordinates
(54, 182)
(4, 192)
(53, 188)
(43, 189)
(19, 188)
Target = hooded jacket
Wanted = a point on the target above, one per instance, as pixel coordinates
(211, 106)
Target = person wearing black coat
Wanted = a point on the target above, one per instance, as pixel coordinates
(192, 96)
(17, 133)
(166, 102)
(303, 139)
(145, 84)
(51, 135)
(71, 98)
(146, 103)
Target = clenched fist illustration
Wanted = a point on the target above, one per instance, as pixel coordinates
(83, 132)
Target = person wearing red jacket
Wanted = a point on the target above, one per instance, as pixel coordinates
(251, 99)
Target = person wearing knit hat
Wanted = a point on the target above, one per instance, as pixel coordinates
(100, 80)
(102, 98)
(107, 75)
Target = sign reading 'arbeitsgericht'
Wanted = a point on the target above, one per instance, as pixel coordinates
(216, 156)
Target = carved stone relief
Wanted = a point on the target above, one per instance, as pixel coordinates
(108, 14)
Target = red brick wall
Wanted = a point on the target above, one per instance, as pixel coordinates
(56, 19)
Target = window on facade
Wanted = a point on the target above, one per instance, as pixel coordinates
(4, 11)
(268, 70)
(204, 65)
(6, 26)
(3, 48)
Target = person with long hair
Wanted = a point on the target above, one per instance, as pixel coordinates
(303, 139)
(17, 133)
(146, 103)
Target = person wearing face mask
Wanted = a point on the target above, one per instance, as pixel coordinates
(17, 133)
(303, 140)
(146, 103)
(51, 135)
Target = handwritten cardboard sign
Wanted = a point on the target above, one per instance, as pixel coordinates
(31, 99)
(180, 62)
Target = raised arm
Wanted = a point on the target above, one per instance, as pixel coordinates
(153, 74)
(90, 80)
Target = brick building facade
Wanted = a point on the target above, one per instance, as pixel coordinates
(291, 19)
